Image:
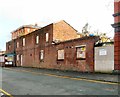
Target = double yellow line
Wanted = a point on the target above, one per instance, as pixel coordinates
(53, 75)
(5, 93)
(66, 77)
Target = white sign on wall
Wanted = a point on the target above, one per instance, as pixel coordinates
(60, 54)
(102, 52)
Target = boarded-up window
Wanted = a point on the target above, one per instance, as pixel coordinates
(41, 54)
(47, 37)
(81, 52)
(23, 41)
(60, 54)
(37, 39)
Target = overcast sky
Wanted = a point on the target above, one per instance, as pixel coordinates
(15, 13)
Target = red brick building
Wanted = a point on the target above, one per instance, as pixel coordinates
(24, 30)
(54, 46)
(116, 25)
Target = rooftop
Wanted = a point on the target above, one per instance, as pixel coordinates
(27, 26)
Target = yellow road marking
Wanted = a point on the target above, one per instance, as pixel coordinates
(5, 93)
(66, 77)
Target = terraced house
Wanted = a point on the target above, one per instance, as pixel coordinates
(55, 46)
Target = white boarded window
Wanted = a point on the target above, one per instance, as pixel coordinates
(47, 37)
(41, 54)
(60, 54)
(23, 41)
(17, 44)
(81, 52)
(37, 39)
(18, 57)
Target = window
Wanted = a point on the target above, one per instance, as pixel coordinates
(41, 54)
(37, 39)
(9, 46)
(81, 52)
(17, 44)
(47, 37)
(60, 54)
(22, 30)
(18, 57)
(28, 30)
(23, 41)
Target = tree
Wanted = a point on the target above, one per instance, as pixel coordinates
(85, 29)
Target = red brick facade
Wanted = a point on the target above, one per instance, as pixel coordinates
(44, 54)
(116, 25)
(24, 30)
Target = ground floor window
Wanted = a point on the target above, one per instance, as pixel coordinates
(60, 55)
(18, 57)
(41, 54)
(81, 52)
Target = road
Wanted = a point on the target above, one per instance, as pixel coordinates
(24, 82)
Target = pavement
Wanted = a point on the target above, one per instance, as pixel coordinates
(106, 77)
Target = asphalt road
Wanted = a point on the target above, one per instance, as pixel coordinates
(17, 82)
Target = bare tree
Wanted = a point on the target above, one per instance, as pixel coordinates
(85, 31)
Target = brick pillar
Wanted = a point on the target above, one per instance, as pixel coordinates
(116, 26)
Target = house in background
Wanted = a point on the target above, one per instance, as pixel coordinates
(24, 30)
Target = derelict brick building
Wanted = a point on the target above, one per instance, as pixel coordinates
(55, 46)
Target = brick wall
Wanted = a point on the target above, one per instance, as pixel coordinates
(29, 55)
(31, 50)
(70, 62)
(63, 31)
(10, 46)
(22, 31)
(116, 25)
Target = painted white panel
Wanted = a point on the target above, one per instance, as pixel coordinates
(104, 59)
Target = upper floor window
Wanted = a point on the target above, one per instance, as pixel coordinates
(23, 41)
(47, 37)
(37, 39)
(22, 30)
(60, 55)
(81, 52)
(17, 44)
(28, 30)
(9, 46)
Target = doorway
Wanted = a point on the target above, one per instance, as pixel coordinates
(21, 60)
